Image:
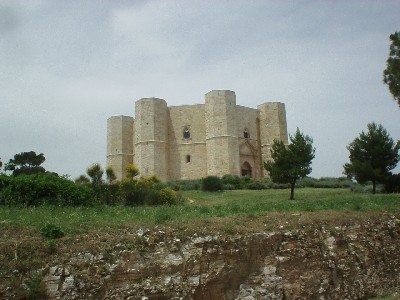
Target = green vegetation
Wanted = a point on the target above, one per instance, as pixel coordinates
(292, 162)
(26, 163)
(372, 156)
(212, 184)
(40, 189)
(200, 206)
(391, 75)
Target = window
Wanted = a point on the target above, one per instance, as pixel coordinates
(186, 132)
(187, 158)
(246, 133)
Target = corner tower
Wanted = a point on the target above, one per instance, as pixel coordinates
(120, 151)
(272, 125)
(222, 144)
(151, 137)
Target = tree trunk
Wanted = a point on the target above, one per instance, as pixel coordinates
(292, 184)
(373, 186)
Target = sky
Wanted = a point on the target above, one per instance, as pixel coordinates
(67, 66)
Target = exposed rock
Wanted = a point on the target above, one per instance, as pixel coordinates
(343, 262)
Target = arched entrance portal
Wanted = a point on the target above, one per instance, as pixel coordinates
(246, 169)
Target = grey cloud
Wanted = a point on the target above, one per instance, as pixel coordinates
(9, 19)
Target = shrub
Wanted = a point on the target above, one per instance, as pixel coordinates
(257, 185)
(212, 184)
(185, 185)
(229, 187)
(366, 188)
(233, 180)
(392, 184)
(38, 189)
(52, 231)
(164, 196)
(325, 182)
(149, 191)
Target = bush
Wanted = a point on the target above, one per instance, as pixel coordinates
(257, 185)
(366, 188)
(164, 196)
(212, 184)
(325, 182)
(185, 185)
(392, 184)
(233, 180)
(52, 231)
(228, 187)
(148, 191)
(38, 189)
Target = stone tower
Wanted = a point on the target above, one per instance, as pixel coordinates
(151, 141)
(272, 120)
(120, 150)
(221, 133)
(194, 141)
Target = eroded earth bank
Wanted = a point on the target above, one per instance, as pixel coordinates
(342, 259)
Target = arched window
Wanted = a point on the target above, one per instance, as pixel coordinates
(246, 169)
(246, 134)
(186, 132)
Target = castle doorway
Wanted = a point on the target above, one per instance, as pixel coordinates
(246, 169)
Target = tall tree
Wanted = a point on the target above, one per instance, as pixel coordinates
(372, 155)
(391, 75)
(95, 172)
(26, 163)
(110, 174)
(291, 162)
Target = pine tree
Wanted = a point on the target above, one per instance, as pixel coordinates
(291, 162)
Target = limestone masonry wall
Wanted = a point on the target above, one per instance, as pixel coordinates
(194, 141)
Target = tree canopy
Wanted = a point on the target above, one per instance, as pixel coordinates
(391, 75)
(26, 163)
(372, 155)
(291, 162)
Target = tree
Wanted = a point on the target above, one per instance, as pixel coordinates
(372, 156)
(95, 172)
(110, 174)
(26, 163)
(291, 162)
(132, 171)
(82, 179)
(391, 75)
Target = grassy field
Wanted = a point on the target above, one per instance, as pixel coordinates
(232, 208)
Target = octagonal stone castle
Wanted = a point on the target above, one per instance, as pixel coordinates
(194, 141)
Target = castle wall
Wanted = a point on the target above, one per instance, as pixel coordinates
(249, 147)
(194, 141)
(221, 133)
(272, 118)
(120, 150)
(151, 137)
(187, 156)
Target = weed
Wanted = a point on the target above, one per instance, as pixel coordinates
(141, 245)
(108, 256)
(391, 232)
(34, 287)
(51, 245)
(162, 216)
(52, 231)
(229, 228)
(357, 206)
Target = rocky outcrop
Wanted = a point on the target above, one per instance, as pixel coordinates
(344, 261)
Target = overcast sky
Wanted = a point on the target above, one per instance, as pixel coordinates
(66, 66)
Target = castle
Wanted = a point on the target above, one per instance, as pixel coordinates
(194, 141)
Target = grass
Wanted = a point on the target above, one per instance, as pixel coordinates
(27, 234)
(201, 206)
